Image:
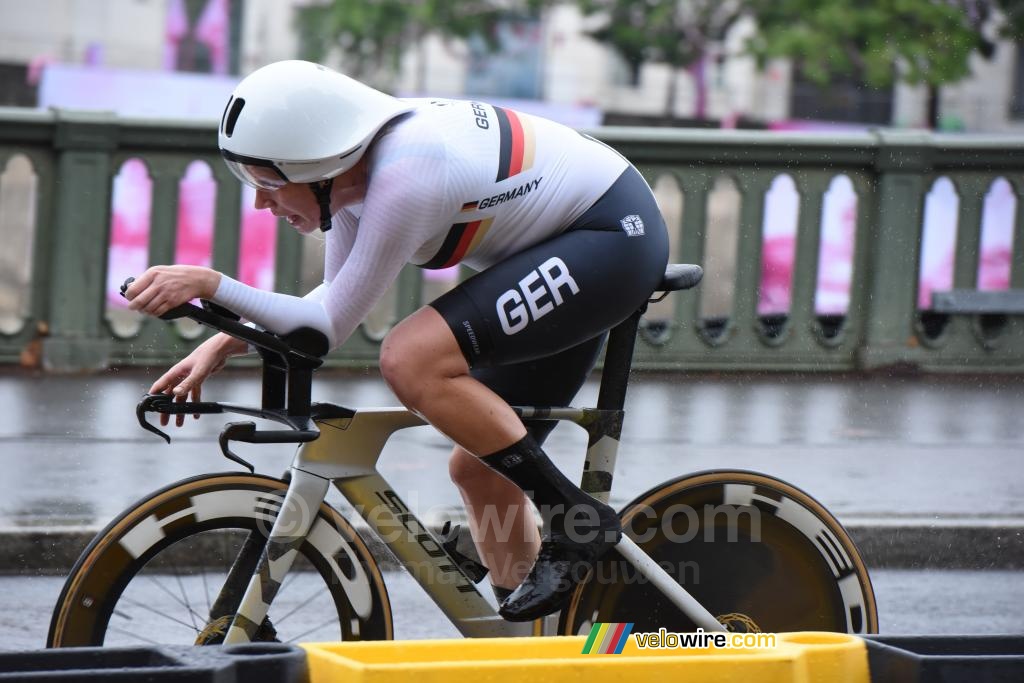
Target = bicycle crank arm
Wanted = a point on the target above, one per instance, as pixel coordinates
(676, 594)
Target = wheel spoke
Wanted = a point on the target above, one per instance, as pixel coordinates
(206, 592)
(184, 596)
(174, 597)
(310, 599)
(126, 632)
(315, 628)
(146, 607)
(287, 581)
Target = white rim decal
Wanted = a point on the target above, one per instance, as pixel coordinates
(259, 505)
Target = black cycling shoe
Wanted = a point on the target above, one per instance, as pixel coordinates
(561, 564)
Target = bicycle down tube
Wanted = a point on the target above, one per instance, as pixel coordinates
(347, 453)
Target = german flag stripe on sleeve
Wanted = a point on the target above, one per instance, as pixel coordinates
(462, 239)
(517, 143)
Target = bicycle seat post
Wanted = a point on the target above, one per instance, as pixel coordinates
(618, 361)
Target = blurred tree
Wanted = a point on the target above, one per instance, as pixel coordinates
(925, 42)
(675, 32)
(372, 35)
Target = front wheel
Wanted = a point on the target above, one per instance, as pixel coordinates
(758, 553)
(172, 568)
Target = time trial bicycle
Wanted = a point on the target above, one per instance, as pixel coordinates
(235, 557)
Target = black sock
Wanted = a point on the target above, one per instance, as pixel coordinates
(500, 592)
(529, 468)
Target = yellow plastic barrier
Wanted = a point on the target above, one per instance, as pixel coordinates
(805, 657)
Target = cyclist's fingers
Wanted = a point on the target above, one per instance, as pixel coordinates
(179, 419)
(158, 305)
(180, 392)
(167, 381)
(140, 284)
(144, 299)
(165, 385)
(192, 384)
(165, 303)
(156, 301)
(197, 393)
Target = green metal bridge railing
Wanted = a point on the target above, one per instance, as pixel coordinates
(60, 320)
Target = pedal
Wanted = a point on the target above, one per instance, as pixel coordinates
(449, 541)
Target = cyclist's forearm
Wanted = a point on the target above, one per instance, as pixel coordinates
(280, 313)
(227, 345)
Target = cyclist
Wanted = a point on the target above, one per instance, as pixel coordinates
(565, 235)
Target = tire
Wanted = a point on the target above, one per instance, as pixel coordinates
(181, 541)
(758, 553)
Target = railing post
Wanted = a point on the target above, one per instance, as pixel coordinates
(77, 340)
(288, 260)
(410, 292)
(903, 164)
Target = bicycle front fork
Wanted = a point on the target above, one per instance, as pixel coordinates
(298, 512)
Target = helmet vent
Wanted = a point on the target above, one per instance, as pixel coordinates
(231, 115)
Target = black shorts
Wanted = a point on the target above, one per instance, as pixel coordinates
(531, 327)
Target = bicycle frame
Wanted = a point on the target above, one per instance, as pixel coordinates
(346, 454)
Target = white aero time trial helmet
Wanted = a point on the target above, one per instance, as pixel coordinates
(300, 122)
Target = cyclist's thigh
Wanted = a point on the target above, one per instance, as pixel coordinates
(547, 382)
(569, 289)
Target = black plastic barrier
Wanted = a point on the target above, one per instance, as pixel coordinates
(946, 659)
(262, 662)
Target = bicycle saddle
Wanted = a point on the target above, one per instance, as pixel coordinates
(680, 276)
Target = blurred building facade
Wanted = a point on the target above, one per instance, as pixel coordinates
(552, 60)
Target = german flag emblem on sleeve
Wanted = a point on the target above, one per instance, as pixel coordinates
(517, 143)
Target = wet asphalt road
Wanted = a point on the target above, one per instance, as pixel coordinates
(910, 602)
(889, 450)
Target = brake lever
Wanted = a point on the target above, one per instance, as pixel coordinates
(164, 404)
(247, 432)
(146, 405)
(233, 430)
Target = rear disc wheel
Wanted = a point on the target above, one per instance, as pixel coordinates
(758, 553)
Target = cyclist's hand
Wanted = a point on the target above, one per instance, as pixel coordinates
(186, 378)
(161, 288)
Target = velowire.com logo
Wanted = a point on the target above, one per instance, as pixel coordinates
(607, 639)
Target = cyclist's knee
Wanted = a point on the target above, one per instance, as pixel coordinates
(463, 466)
(402, 364)
(469, 473)
(394, 363)
(418, 350)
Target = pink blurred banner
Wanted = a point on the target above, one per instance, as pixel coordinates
(838, 231)
(197, 192)
(200, 44)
